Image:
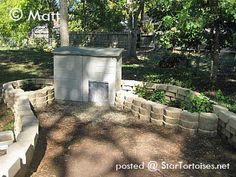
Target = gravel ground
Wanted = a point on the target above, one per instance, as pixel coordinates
(81, 140)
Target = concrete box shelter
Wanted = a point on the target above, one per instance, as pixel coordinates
(87, 74)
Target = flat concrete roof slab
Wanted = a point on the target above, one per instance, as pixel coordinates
(87, 51)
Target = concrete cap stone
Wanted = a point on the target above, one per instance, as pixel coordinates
(86, 51)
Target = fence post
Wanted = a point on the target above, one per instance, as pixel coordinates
(129, 43)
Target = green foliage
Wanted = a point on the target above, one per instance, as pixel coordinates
(147, 93)
(148, 27)
(198, 104)
(97, 15)
(9, 126)
(194, 104)
(220, 96)
(39, 43)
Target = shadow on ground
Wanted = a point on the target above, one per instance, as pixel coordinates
(78, 140)
(21, 64)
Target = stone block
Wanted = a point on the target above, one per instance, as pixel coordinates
(157, 122)
(156, 116)
(135, 108)
(233, 131)
(30, 134)
(217, 109)
(8, 86)
(232, 141)
(208, 121)
(144, 117)
(127, 108)
(170, 94)
(158, 108)
(138, 101)
(188, 116)
(119, 99)
(167, 98)
(183, 91)
(118, 105)
(188, 124)
(120, 94)
(170, 120)
(41, 93)
(10, 165)
(131, 82)
(232, 122)
(180, 97)
(143, 111)
(50, 96)
(221, 123)
(147, 105)
(135, 113)
(173, 112)
(225, 116)
(187, 130)
(50, 101)
(161, 87)
(207, 133)
(168, 125)
(172, 89)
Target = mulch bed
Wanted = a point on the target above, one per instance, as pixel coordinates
(78, 140)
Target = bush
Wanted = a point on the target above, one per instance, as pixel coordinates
(170, 60)
(194, 104)
(147, 93)
(39, 43)
(198, 104)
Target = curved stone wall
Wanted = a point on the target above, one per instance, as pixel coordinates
(221, 121)
(26, 125)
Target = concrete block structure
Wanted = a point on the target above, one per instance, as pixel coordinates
(87, 74)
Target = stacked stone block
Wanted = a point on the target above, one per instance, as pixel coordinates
(157, 113)
(171, 117)
(208, 124)
(129, 85)
(221, 121)
(145, 110)
(42, 97)
(188, 122)
(136, 105)
(171, 92)
(182, 93)
(227, 126)
(26, 125)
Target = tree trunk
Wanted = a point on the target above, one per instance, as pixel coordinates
(133, 25)
(64, 32)
(215, 57)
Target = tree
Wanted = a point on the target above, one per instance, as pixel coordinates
(64, 32)
(190, 23)
(134, 10)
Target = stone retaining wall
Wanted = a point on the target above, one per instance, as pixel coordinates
(221, 121)
(26, 125)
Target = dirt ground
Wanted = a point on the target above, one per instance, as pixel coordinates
(78, 140)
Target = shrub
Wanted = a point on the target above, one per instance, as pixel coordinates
(147, 93)
(194, 103)
(219, 96)
(39, 43)
(198, 104)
